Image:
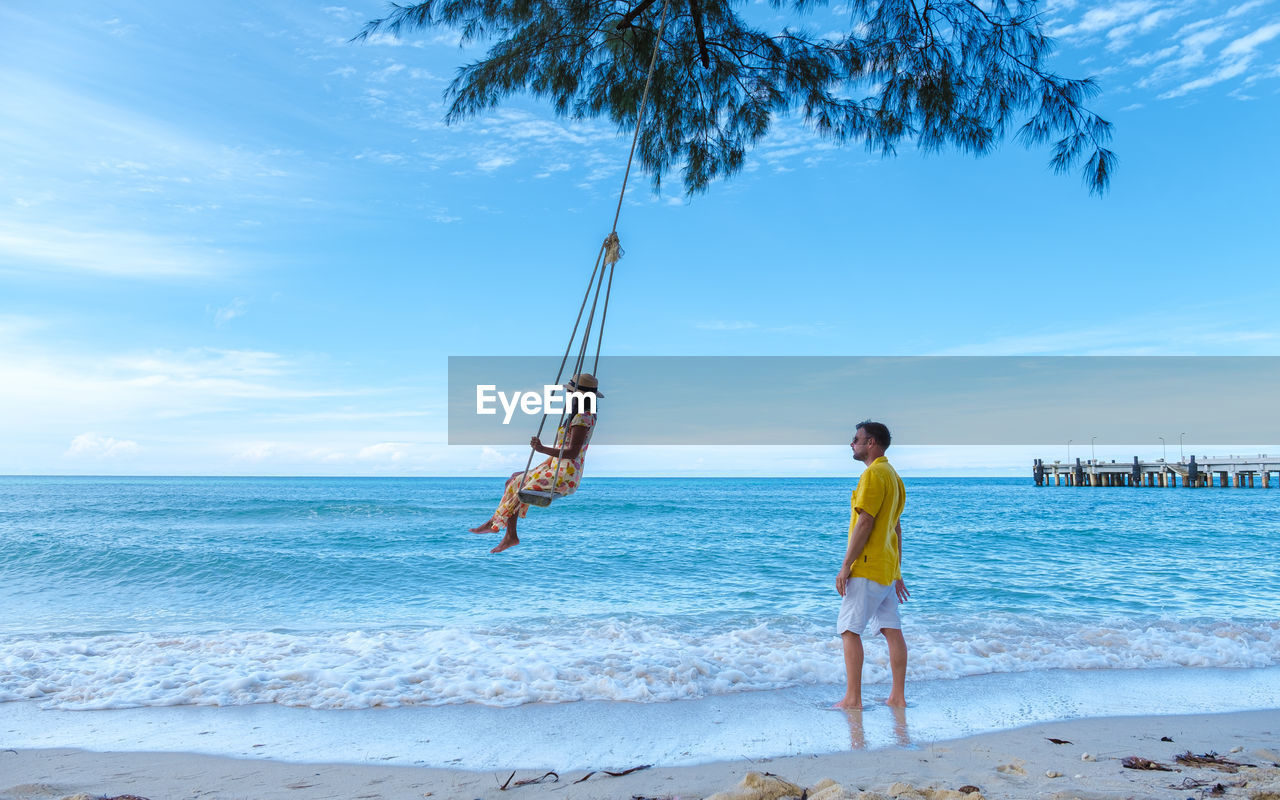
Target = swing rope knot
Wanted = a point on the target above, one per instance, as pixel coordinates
(612, 249)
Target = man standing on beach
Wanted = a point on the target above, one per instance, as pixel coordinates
(870, 578)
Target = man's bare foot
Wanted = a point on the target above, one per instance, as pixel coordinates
(896, 700)
(484, 527)
(849, 704)
(508, 541)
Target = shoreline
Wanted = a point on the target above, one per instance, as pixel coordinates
(1017, 763)
(616, 735)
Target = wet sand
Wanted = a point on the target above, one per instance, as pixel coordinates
(1018, 763)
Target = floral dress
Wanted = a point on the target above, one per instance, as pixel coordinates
(564, 474)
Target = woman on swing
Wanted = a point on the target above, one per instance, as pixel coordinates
(560, 473)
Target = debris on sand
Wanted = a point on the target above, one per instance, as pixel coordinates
(1138, 762)
(615, 774)
(546, 777)
(1209, 759)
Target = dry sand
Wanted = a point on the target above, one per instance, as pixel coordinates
(1020, 763)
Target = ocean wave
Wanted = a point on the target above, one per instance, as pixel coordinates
(619, 660)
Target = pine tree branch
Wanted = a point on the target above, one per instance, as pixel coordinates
(959, 86)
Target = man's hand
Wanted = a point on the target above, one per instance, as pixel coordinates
(901, 589)
(842, 580)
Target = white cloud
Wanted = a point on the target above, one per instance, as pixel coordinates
(1273, 72)
(384, 451)
(231, 390)
(341, 12)
(237, 308)
(1140, 336)
(130, 254)
(1223, 73)
(1234, 60)
(303, 453)
(384, 74)
(1121, 36)
(381, 39)
(205, 363)
(63, 130)
(16, 326)
(492, 459)
(383, 158)
(256, 452)
(350, 416)
(1147, 59)
(495, 162)
(447, 38)
(1245, 8)
(92, 445)
(1102, 18)
(725, 325)
(1246, 45)
(1149, 22)
(116, 27)
(1196, 42)
(1192, 52)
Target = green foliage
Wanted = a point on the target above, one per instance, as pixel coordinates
(944, 73)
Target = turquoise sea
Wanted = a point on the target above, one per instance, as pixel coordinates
(362, 593)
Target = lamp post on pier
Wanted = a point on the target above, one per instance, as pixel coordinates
(1069, 441)
(1180, 458)
(1093, 454)
(1163, 453)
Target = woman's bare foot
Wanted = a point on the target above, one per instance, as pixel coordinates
(849, 704)
(484, 527)
(896, 701)
(508, 541)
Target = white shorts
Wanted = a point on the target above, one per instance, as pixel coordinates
(868, 603)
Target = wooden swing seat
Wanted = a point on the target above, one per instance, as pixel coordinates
(535, 498)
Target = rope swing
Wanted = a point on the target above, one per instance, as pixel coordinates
(610, 252)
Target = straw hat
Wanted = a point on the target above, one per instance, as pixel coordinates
(584, 382)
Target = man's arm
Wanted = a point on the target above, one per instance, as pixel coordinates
(898, 586)
(857, 543)
(897, 529)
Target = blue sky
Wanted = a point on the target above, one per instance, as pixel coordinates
(232, 242)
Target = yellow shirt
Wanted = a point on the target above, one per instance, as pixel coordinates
(881, 494)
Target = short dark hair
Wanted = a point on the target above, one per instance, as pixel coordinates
(877, 431)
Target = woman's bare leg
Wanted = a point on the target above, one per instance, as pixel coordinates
(510, 539)
(491, 525)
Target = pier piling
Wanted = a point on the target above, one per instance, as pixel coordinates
(1233, 471)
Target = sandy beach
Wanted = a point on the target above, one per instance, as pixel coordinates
(1019, 763)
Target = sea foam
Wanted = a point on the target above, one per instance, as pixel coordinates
(620, 660)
